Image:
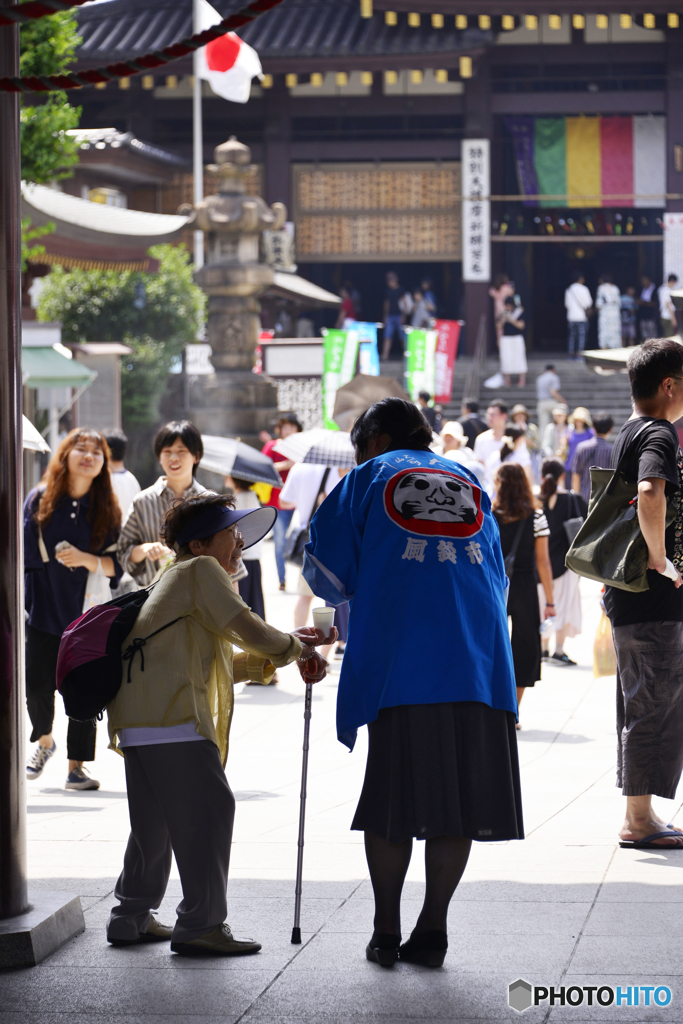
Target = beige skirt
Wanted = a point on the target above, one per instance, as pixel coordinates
(512, 354)
(567, 603)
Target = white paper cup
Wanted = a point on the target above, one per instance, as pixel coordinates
(323, 619)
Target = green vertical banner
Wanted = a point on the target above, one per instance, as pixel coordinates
(420, 364)
(340, 351)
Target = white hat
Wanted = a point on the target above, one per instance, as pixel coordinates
(453, 428)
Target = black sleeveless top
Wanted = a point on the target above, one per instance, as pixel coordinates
(535, 526)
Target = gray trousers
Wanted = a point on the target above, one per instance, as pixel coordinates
(544, 413)
(649, 708)
(179, 803)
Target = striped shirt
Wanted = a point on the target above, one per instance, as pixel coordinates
(596, 452)
(143, 525)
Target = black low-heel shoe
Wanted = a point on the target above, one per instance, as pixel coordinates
(382, 949)
(426, 948)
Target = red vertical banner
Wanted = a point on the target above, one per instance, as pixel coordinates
(447, 338)
(616, 146)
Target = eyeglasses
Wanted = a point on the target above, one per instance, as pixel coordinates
(236, 533)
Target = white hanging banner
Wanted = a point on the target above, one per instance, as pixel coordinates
(198, 360)
(476, 211)
(673, 245)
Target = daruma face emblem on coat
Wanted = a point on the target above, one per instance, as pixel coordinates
(434, 503)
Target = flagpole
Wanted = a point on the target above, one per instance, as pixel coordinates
(197, 143)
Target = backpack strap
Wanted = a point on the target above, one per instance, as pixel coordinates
(512, 553)
(321, 489)
(139, 642)
(41, 546)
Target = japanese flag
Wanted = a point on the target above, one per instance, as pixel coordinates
(227, 64)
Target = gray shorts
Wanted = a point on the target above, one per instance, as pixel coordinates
(649, 708)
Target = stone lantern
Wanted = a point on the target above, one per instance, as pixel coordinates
(233, 401)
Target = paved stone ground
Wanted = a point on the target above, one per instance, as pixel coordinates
(566, 906)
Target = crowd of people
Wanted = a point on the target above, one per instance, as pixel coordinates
(404, 308)
(472, 524)
(537, 481)
(623, 318)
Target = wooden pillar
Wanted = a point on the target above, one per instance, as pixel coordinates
(674, 127)
(478, 125)
(276, 145)
(13, 884)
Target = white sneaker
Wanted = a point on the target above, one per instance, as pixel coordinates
(77, 779)
(41, 755)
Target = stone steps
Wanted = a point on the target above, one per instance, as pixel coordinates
(579, 386)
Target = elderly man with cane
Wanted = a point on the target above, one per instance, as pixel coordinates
(172, 725)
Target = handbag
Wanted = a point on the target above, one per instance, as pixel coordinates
(299, 537)
(610, 546)
(574, 524)
(512, 553)
(97, 589)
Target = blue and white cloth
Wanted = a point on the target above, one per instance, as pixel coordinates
(409, 539)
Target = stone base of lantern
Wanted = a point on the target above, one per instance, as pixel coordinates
(233, 404)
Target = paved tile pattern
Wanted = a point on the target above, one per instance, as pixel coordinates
(564, 907)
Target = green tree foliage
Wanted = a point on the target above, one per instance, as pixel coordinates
(47, 47)
(156, 314)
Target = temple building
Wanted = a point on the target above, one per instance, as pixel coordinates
(367, 107)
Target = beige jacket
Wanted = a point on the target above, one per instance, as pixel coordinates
(189, 668)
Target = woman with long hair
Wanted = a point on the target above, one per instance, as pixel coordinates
(71, 525)
(524, 539)
(559, 506)
(408, 537)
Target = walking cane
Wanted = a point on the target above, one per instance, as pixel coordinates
(296, 930)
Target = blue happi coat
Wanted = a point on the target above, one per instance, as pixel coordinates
(409, 539)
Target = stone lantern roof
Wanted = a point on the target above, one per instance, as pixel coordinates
(231, 212)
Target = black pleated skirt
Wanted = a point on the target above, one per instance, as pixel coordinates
(442, 770)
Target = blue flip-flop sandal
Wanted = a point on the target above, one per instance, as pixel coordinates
(646, 843)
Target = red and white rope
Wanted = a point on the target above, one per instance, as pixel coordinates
(135, 66)
(35, 9)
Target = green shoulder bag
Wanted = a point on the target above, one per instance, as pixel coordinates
(610, 547)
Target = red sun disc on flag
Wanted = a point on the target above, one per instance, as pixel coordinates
(222, 53)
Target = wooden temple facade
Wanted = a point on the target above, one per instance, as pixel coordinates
(360, 123)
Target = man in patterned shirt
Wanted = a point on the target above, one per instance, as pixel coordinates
(595, 452)
(178, 447)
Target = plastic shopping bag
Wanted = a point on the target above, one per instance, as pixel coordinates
(604, 655)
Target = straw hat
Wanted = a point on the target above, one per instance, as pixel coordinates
(519, 408)
(561, 408)
(582, 414)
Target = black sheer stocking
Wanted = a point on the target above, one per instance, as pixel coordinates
(388, 864)
(445, 861)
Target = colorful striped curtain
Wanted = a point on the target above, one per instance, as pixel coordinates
(591, 157)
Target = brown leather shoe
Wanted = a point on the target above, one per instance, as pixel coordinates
(218, 942)
(156, 932)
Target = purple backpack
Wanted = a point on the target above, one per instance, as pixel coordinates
(90, 661)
